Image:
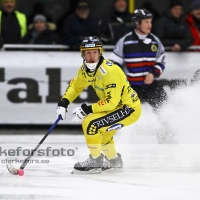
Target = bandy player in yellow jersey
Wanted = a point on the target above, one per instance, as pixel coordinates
(118, 106)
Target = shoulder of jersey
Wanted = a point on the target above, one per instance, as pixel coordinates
(82, 67)
(106, 66)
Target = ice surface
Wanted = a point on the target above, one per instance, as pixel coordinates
(161, 155)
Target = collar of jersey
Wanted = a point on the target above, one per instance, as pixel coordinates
(135, 35)
(92, 74)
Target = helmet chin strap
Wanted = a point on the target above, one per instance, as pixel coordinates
(137, 27)
(141, 30)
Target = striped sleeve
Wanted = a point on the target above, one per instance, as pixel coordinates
(160, 59)
(118, 56)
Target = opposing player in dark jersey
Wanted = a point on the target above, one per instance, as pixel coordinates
(143, 56)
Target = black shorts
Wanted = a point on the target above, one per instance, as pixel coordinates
(154, 94)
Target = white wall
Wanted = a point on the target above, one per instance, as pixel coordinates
(30, 71)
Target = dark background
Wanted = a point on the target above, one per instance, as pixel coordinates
(99, 8)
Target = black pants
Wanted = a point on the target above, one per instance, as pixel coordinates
(153, 94)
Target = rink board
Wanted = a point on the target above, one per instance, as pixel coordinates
(31, 83)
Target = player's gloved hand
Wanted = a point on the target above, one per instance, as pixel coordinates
(62, 108)
(81, 112)
(61, 111)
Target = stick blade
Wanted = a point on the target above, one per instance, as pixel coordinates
(11, 169)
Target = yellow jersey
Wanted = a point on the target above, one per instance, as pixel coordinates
(109, 83)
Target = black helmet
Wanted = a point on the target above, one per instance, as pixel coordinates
(90, 43)
(141, 14)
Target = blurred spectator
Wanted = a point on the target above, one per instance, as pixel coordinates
(172, 30)
(193, 20)
(60, 22)
(38, 8)
(40, 33)
(13, 23)
(150, 6)
(79, 25)
(118, 24)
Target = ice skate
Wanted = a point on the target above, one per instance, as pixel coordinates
(90, 166)
(114, 165)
